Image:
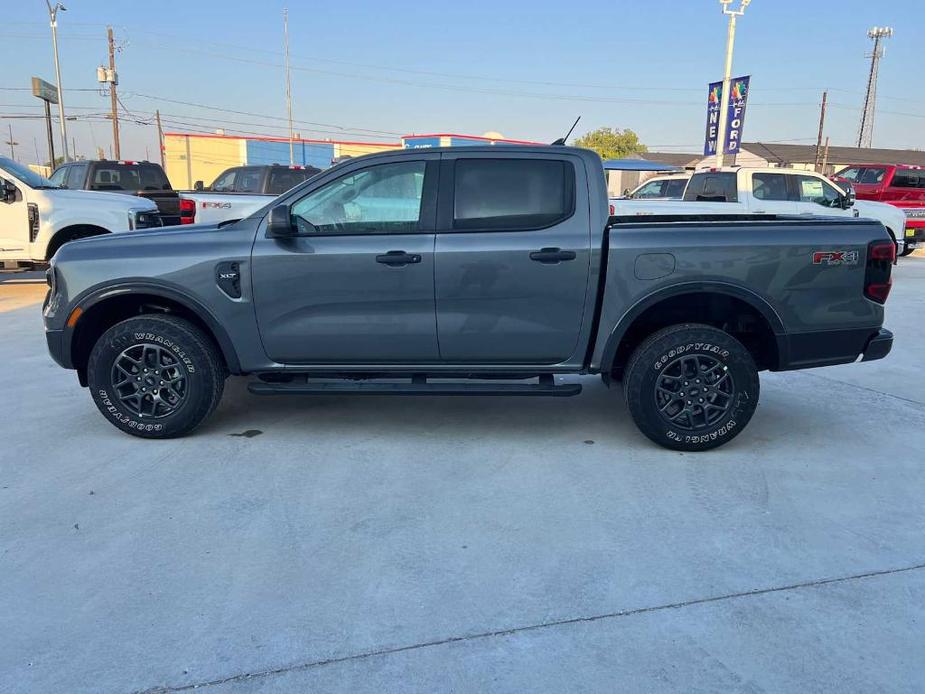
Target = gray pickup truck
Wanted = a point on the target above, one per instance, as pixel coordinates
(467, 271)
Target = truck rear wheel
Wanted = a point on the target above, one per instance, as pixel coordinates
(691, 387)
(155, 376)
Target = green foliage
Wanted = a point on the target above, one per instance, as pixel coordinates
(612, 143)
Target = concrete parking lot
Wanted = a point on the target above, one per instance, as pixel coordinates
(463, 545)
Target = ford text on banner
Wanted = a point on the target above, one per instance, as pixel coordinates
(735, 121)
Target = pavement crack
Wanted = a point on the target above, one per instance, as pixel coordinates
(867, 388)
(246, 676)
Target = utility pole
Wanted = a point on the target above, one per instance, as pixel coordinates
(160, 135)
(53, 16)
(727, 75)
(113, 82)
(866, 131)
(12, 143)
(825, 95)
(288, 85)
(825, 155)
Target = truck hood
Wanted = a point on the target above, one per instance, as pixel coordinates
(890, 215)
(111, 200)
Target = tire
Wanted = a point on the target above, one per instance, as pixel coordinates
(664, 364)
(907, 251)
(182, 385)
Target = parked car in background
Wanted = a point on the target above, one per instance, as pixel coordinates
(746, 190)
(360, 282)
(897, 184)
(239, 191)
(37, 217)
(143, 179)
(662, 187)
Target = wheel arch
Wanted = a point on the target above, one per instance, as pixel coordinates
(704, 302)
(72, 232)
(104, 307)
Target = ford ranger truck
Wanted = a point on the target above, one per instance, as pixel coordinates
(900, 185)
(748, 190)
(37, 217)
(474, 271)
(240, 191)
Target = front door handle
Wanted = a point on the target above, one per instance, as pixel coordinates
(398, 258)
(551, 256)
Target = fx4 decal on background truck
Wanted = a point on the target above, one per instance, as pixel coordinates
(467, 271)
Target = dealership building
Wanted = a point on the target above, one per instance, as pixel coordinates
(191, 157)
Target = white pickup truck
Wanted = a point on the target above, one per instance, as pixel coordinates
(37, 217)
(240, 191)
(745, 190)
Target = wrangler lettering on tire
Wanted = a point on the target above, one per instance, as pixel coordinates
(155, 376)
(691, 387)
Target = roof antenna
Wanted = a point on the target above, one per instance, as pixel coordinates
(561, 140)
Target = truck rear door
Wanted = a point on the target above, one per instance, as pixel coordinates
(512, 256)
(770, 194)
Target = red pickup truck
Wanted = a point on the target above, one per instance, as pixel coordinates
(897, 184)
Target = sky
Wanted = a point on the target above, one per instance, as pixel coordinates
(373, 71)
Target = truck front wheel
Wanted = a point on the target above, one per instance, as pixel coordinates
(155, 376)
(691, 387)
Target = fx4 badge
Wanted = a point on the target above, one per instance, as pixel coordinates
(835, 257)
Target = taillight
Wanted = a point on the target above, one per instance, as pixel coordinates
(878, 278)
(187, 211)
(613, 210)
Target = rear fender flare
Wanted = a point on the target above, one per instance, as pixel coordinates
(748, 296)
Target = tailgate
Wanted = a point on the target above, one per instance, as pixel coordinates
(168, 204)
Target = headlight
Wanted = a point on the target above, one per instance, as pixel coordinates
(143, 219)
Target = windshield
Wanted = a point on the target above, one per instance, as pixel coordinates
(25, 174)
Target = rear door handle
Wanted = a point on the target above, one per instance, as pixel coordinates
(398, 258)
(551, 256)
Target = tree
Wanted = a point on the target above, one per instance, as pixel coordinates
(612, 143)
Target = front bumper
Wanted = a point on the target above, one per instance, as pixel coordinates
(58, 348)
(879, 345)
(915, 232)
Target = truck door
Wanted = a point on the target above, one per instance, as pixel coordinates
(770, 194)
(814, 195)
(512, 257)
(357, 284)
(14, 221)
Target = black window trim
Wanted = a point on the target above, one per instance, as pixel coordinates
(426, 220)
(446, 197)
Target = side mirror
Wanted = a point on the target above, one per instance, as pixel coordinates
(198, 186)
(280, 225)
(850, 196)
(9, 192)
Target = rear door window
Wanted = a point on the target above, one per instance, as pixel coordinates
(908, 178)
(249, 181)
(512, 194)
(769, 186)
(714, 186)
(282, 179)
(675, 188)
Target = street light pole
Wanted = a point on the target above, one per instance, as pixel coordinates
(727, 75)
(53, 16)
(288, 86)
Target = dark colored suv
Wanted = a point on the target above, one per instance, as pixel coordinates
(142, 178)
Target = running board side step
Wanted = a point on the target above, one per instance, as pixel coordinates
(416, 386)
